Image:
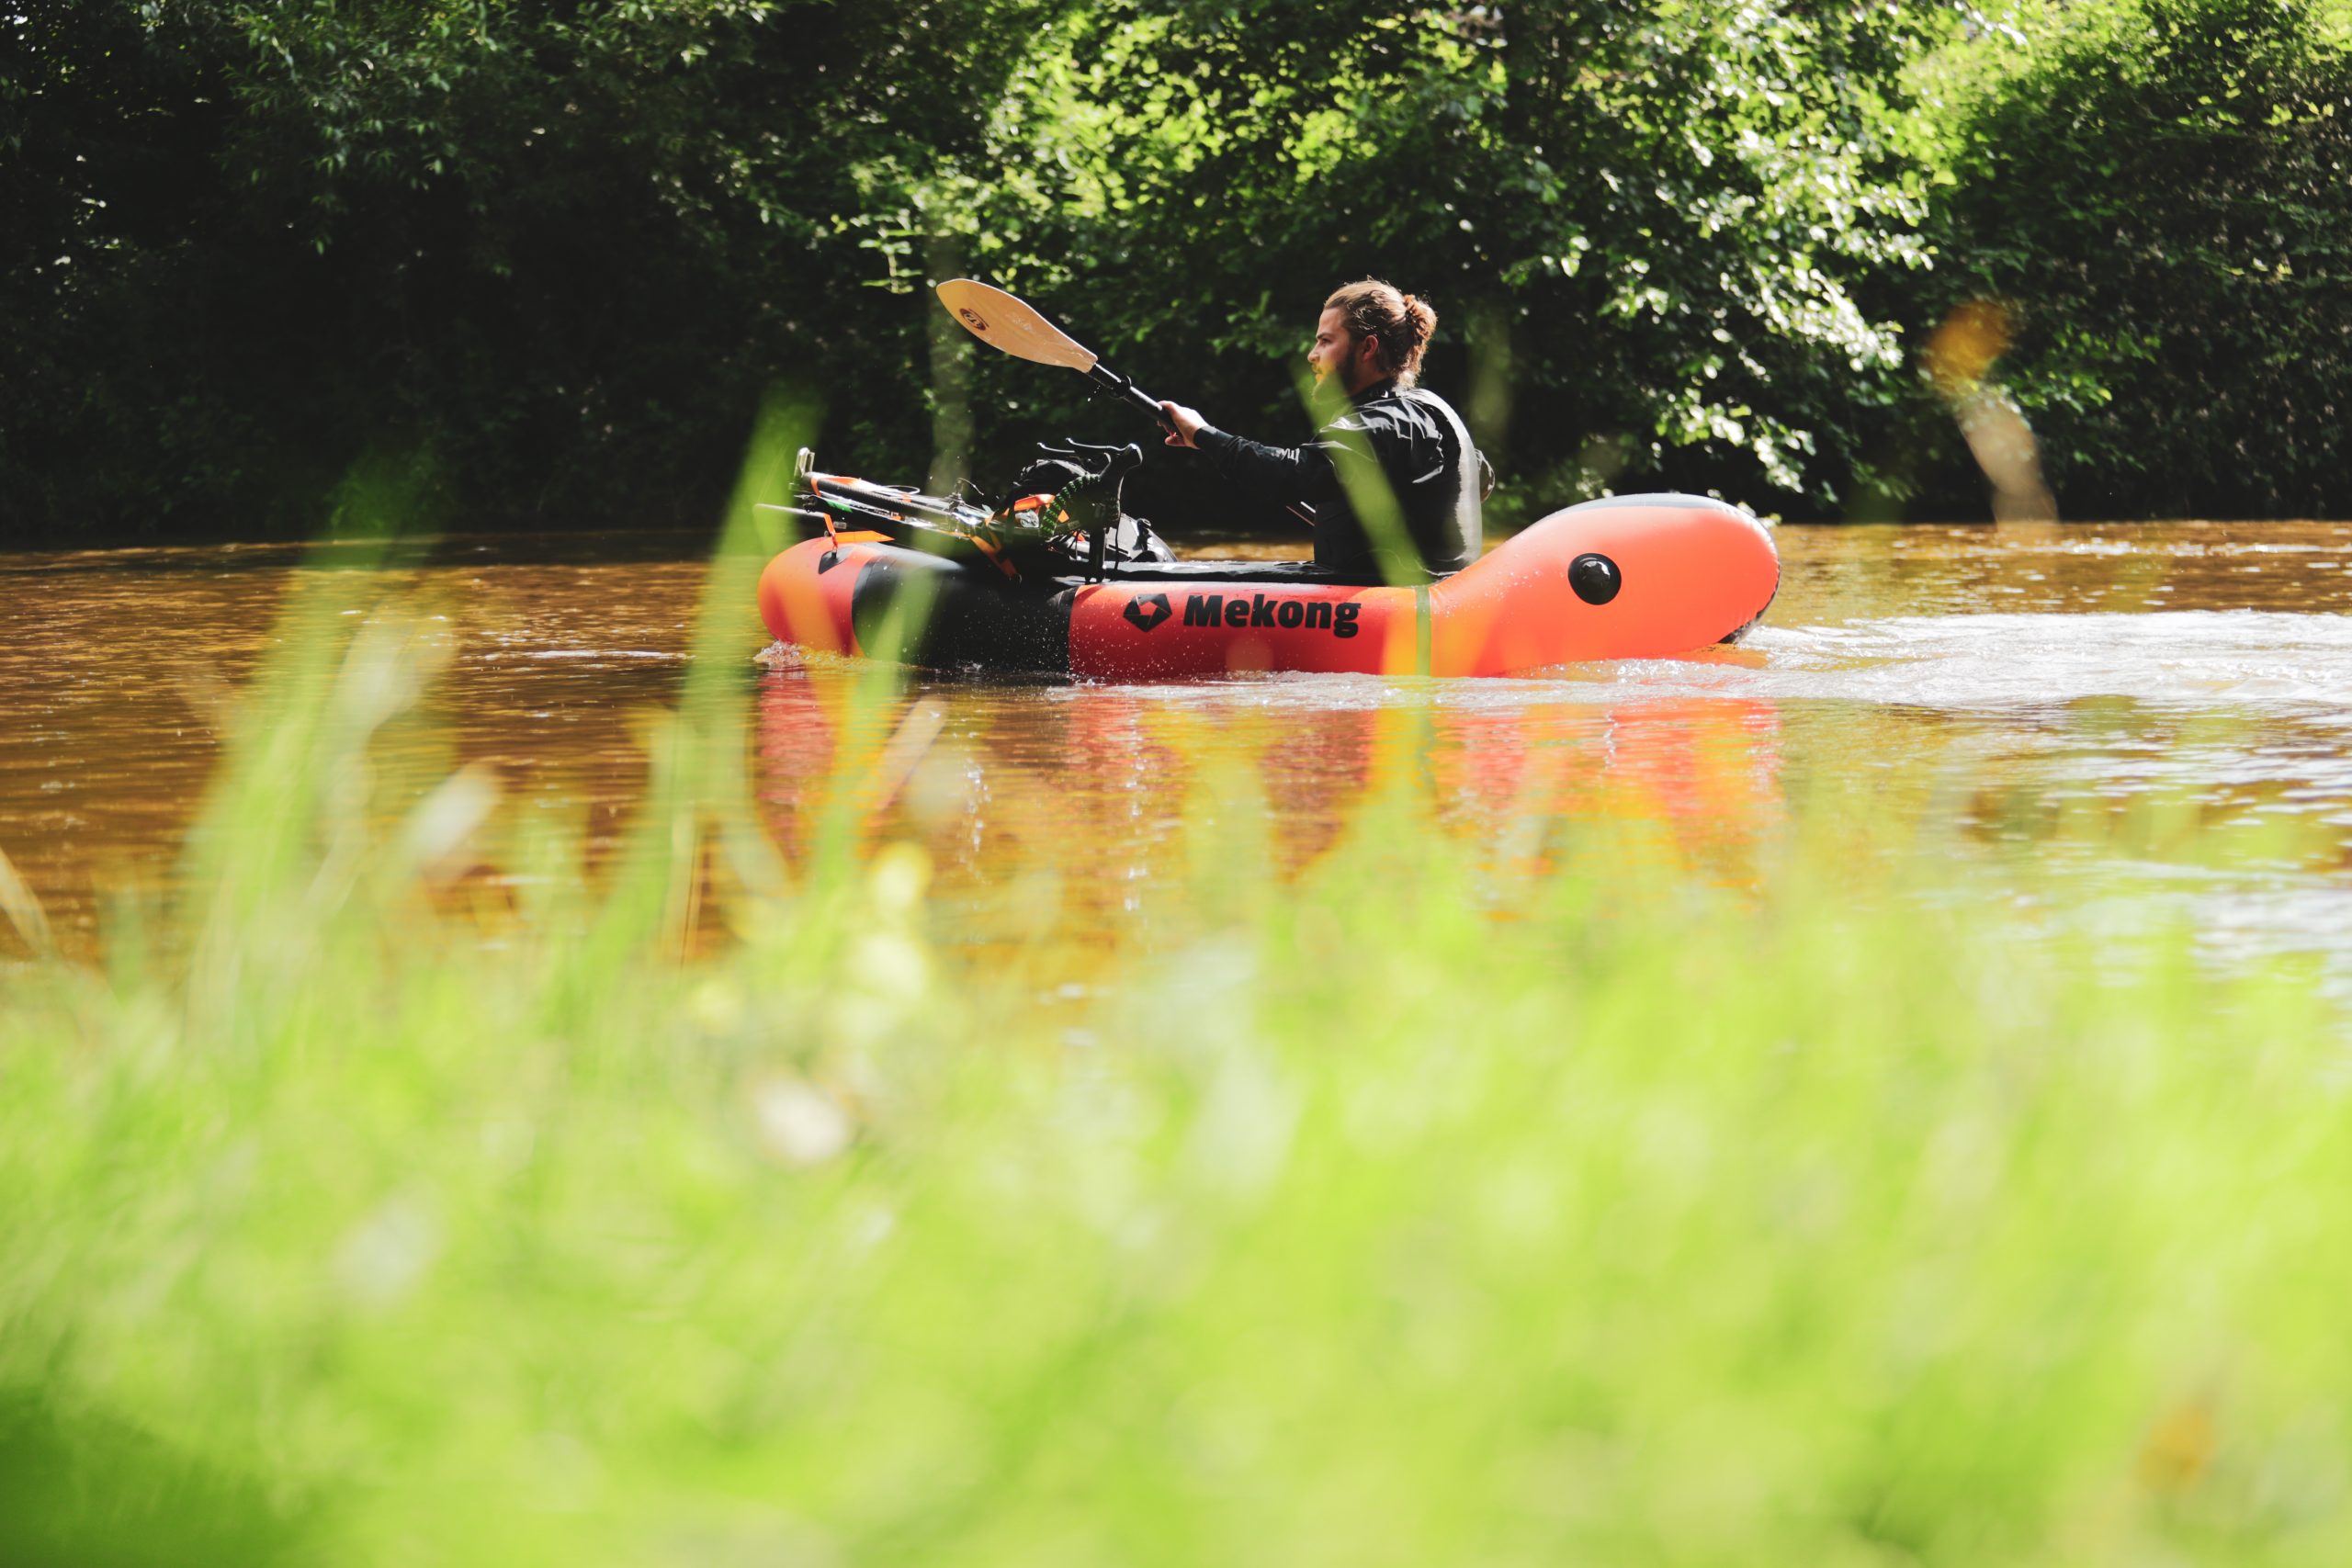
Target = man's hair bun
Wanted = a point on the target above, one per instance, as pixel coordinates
(1417, 310)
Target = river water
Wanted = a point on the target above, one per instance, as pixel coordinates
(2186, 690)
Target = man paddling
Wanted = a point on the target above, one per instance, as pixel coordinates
(1385, 437)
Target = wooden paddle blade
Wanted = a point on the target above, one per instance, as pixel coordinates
(1010, 323)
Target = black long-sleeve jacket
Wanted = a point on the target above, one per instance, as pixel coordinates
(1393, 442)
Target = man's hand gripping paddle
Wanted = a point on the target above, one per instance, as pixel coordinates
(1011, 324)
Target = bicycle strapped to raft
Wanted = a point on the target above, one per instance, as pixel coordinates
(1065, 511)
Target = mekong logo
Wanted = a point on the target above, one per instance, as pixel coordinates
(1257, 610)
(1147, 613)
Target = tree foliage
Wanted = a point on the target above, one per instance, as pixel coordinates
(2162, 190)
(1641, 221)
(560, 246)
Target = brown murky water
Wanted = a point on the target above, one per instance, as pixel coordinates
(2002, 677)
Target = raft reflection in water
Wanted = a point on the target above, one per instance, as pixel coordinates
(1067, 801)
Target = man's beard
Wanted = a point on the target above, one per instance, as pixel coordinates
(1329, 396)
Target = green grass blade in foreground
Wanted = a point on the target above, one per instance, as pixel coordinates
(864, 778)
(283, 831)
(22, 908)
(697, 791)
(696, 819)
(1373, 498)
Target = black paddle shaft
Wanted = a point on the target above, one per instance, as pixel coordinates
(1112, 382)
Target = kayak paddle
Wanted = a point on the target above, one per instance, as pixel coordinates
(1010, 323)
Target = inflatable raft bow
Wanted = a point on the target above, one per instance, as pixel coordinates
(1628, 577)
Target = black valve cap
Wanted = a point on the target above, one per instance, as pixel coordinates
(1595, 578)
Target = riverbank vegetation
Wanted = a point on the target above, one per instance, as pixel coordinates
(1453, 1195)
(560, 251)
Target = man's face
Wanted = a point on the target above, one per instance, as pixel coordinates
(1343, 363)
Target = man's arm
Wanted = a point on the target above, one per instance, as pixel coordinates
(1285, 475)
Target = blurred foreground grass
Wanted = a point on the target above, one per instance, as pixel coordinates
(1379, 1215)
